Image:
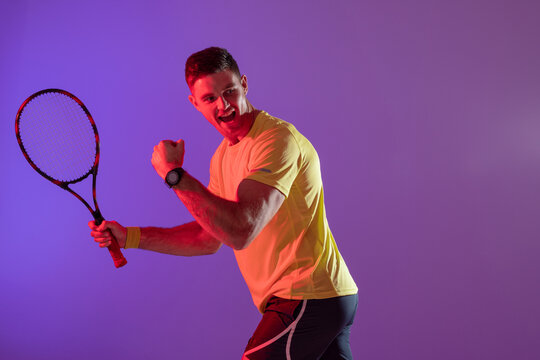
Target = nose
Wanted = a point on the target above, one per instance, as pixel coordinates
(222, 104)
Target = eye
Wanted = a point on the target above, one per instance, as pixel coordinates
(209, 99)
(230, 91)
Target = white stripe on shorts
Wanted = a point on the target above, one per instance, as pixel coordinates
(290, 328)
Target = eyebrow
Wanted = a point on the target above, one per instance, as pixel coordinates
(206, 95)
(229, 85)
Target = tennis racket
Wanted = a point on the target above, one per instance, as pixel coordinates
(59, 138)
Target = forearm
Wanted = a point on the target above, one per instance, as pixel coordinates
(186, 240)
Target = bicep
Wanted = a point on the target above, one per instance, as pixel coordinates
(260, 202)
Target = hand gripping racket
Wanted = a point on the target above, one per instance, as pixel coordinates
(59, 138)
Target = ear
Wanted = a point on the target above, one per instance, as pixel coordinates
(243, 82)
(193, 101)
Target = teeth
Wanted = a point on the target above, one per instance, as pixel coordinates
(228, 115)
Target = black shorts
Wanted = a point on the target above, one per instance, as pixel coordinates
(304, 329)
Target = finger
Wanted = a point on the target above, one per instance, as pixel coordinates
(103, 226)
(155, 159)
(98, 234)
(181, 151)
(101, 239)
(92, 224)
(105, 244)
(180, 144)
(101, 233)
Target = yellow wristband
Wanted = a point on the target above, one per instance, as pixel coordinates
(133, 237)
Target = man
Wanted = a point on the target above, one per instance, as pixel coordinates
(265, 200)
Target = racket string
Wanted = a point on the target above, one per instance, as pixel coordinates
(58, 136)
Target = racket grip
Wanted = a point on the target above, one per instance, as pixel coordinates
(114, 248)
(116, 254)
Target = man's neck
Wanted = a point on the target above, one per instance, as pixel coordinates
(250, 117)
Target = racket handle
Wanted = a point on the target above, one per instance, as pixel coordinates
(116, 254)
(114, 248)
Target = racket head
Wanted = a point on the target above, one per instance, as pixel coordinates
(58, 136)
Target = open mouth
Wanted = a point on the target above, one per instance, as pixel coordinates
(227, 118)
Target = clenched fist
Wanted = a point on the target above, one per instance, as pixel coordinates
(168, 155)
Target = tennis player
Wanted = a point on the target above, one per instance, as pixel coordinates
(264, 200)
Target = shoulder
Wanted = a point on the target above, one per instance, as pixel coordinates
(273, 129)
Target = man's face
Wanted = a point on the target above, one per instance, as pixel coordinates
(221, 98)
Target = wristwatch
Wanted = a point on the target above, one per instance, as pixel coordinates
(173, 177)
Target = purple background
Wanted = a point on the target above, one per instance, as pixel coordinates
(425, 115)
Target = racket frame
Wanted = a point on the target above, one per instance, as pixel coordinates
(114, 248)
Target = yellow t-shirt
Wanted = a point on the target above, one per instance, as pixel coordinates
(295, 255)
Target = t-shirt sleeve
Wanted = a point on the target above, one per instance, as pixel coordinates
(275, 160)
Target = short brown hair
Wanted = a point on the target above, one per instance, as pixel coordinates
(209, 61)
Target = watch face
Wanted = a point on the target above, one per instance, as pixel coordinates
(172, 177)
